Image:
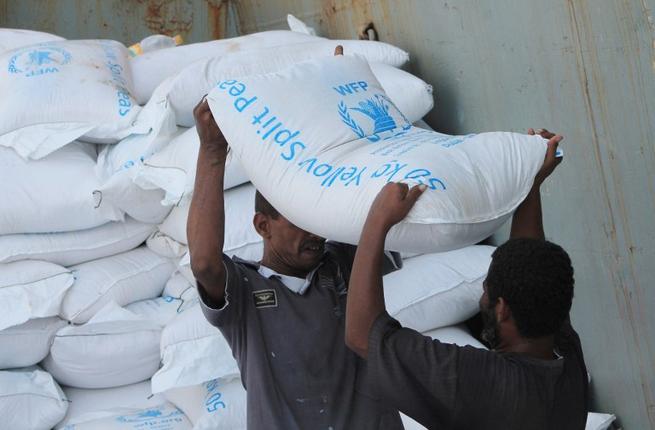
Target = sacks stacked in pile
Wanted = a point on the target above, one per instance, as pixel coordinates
(97, 158)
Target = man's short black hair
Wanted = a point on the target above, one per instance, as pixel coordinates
(263, 206)
(535, 278)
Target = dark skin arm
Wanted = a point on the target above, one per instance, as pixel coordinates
(206, 222)
(393, 203)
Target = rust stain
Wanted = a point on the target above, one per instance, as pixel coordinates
(169, 17)
(217, 18)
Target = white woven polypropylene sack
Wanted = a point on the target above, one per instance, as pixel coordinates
(12, 38)
(49, 195)
(322, 137)
(83, 401)
(160, 310)
(30, 400)
(411, 94)
(116, 347)
(596, 421)
(31, 289)
(192, 352)
(28, 343)
(161, 417)
(437, 290)
(125, 278)
(75, 247)
(216, 404)
(57, 92)
(144, 180)
(240, 235)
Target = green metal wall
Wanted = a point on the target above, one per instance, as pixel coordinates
(583, 68)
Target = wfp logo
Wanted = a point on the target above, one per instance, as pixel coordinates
(375, 109)
(148, 415)
(38, 60)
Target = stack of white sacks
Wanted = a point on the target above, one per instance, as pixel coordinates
(100, 326)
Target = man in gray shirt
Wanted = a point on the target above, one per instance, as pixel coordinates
(284, 317)
(533, 378)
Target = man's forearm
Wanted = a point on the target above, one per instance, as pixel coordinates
(206, 222)
(365, 292)
(527, 220)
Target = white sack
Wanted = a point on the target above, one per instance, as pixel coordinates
(412, 95)
(124, 278)
(116, 347)
(31, 289)
(456, 334)
(240, 239)
(181, 288)
(74, 247)
(322, 138)
(437, 290)
(161, 417)
(298, 26)
(163, 245)
(596, 421)
(28, 343)
(30, 400)
(82, 400)
(12, 38)
(192, 352)
(49, 195)
(57, 92)
(216, 404)
(160, 310)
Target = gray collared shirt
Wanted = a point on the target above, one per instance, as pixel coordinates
(290, 348)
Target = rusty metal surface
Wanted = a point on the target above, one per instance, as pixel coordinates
(126, 20)
(584, 68)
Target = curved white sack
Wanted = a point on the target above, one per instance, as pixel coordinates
(188, 87)
(437, 290)
(53, 194)
(28, 343)
(161, 417)
(30, 400)
(125, 278)
(152, 68)
(12, 38)
(456, 334)
(322, 138)
(192, 352)
(31, 289)
(83, 401)
(160, 310)
(240, 233)
(57, 92)
(116, 347)
(75, 247)
(215, 404)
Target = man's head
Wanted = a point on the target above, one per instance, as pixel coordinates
(292, 250)
(529, 285)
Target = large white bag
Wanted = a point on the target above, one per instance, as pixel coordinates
(216, 404)
(240, 234)
(161, 417)
(124, 278)
(322, 138)
(30, 400)
(192, 352)
(74, 247)
(160, 310)
(83, 401)
(437, 290)
(49, 195)
(57, 92)
(12, 38)
(31, 289)
(188, 87)
(456, 334)
(28, 343)
(116, 347)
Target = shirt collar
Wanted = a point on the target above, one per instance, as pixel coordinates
(297, 285)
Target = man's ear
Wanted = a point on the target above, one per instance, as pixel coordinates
(262, 225)
(503, 311)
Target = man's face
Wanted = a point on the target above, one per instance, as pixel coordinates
(490, 329)
(294, 247)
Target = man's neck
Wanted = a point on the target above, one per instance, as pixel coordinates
(541, 348)
(278, 266)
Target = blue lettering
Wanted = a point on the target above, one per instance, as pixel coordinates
(292, 150)
(432, 184)
(333, 177)
(354, 177)
(241, 103)
(268, 133)
(341, 89)
(237, 89)
(326, 170)
(228, 82)
(257, 118)
(286, 136)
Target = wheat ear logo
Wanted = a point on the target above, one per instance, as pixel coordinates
(375, 109)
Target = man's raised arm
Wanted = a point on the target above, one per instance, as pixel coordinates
(206, 222)
(527, 220)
